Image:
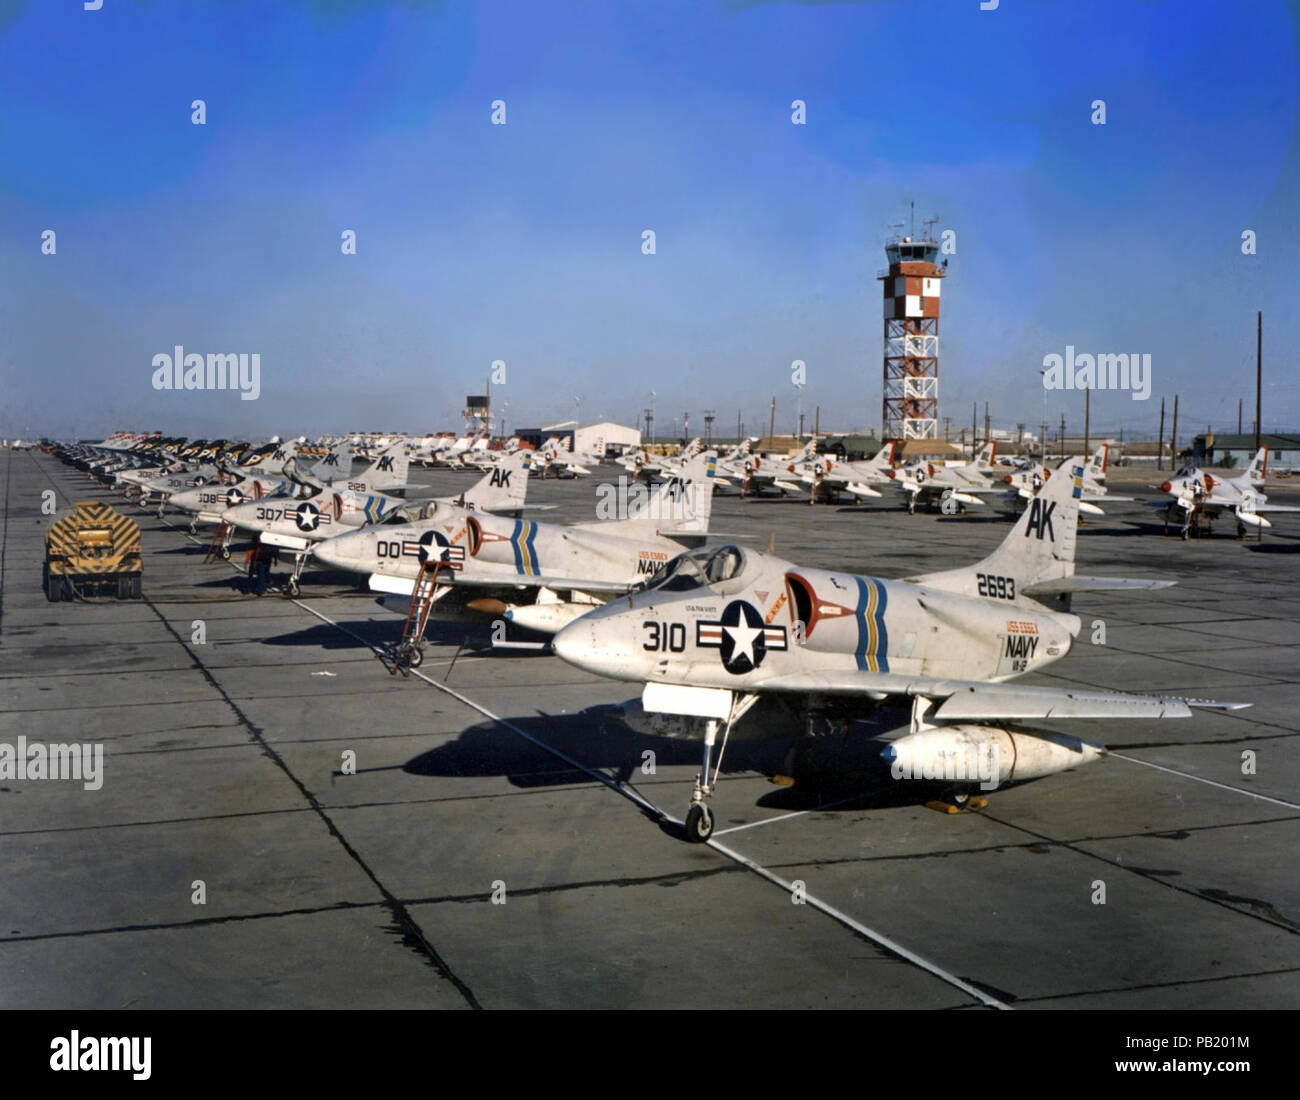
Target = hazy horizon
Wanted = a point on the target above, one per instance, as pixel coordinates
(522, 243)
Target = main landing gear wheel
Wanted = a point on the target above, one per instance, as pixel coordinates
(699, 823)
(292, 587)
(409, 655)
(225, 553)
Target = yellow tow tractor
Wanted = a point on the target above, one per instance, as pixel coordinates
(92, 552)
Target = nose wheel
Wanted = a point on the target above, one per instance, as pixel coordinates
(698, 825)
(292, 586)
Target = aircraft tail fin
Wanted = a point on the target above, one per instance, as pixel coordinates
(389, 470)
(1040, 547)
(335, 465)
(504, 487)
(1258, 465)
(681, 506)
(884, 458)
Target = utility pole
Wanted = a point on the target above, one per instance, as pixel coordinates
(1259, 374)
(1173, 437)
(1087, 422)
(1160, 446)
(739, 437)
(986, 421)
(947, 427)
(817, 421)
(708, 426)
(801, 425)
(1239, 418)
(1061, 437)
(771, 424)
(974, 423)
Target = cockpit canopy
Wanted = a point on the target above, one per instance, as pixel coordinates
(705, 567)
(416, 511)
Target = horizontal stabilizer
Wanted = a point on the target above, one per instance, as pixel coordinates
(1061, 585)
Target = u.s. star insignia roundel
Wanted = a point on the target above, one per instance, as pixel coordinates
(741, 636)
(234, 496)
(436, 546)
(308, 517)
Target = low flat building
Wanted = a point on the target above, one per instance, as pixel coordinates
(1234, 451)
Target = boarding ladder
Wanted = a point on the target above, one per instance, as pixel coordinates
(410, 648)
(219, 547)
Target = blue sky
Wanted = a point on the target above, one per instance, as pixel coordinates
(522, 242)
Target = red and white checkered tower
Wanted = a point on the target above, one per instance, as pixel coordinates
(911, 293)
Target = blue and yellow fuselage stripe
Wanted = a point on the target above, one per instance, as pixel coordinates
(523, 542)
(373, 509)
(872, 651)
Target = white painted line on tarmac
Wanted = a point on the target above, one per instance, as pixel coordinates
(1207, 782)
(879, 938)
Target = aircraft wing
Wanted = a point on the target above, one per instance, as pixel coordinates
(1062, 585)
(978, 700)
(520, 580)
(404, 586)
(1274, 508)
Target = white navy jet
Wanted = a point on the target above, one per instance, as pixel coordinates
(1026, 482)
(539, 576)
(299, 524)
(952, 487)
(725, 635)
(1197, 494)
(825, 476)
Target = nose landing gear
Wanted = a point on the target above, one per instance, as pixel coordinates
(698, 825)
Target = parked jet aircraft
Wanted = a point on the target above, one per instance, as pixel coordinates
(539, 576)
(1029, 479)
(953, 487)
(722, 631)
(297, 524)
(825, 477)
(1198, 494)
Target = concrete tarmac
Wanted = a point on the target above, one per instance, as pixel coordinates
(494, 846)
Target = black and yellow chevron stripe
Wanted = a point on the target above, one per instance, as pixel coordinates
(93, 539)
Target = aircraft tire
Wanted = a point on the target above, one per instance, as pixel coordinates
(699, 823)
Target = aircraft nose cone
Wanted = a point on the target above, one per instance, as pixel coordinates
(1166, 487)
(1007, 479)
(329, 552)
(573, 644)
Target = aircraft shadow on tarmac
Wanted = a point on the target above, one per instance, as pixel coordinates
(832, 772)
(472, 636)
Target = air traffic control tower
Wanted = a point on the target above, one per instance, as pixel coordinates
(911, 292)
